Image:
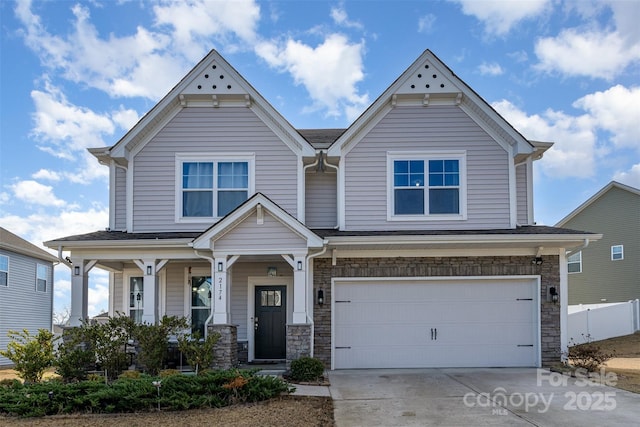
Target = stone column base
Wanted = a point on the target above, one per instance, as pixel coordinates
(226, 350)
(298, 342)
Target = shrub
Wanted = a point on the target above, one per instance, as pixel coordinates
(306, 369)
(587, 355)
(198, 351)
(130, 374)
(74, 356)
(153, 341)
(32, 355)
(168, 373)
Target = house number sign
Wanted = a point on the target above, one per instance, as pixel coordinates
(220, 287)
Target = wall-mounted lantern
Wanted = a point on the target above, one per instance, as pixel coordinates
(553, 294)
(76, 270)
(299, 265)
(148, 270)
(219, 267)
(320, 297)
(537, 260)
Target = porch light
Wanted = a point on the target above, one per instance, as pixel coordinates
(148, 270)
(76, 270)
(553, 293)
(219, 266)
(320, 297)
(299, 265)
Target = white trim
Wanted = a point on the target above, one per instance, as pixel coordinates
(252, 283)
(46, 277)
(530, 212)
(579, 262)
(195, 271)
(341, 189)
(621, 252)
(214, 158)
(491, 131)
(535, 279)
(127, 274)
(112, 194)
(129, 196)
(513, 191)
(564, 303)
(301, 193)
(459, 155)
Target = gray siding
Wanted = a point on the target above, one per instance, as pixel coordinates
(321, 199)
(240, 273)
(175, 287)
(120, 207)
(424, 129)
(21, 307)
(208, 130)
(521, 194)
(616, 214)
(118, 293)
(272, 234)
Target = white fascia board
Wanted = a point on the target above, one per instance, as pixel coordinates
(462, 239)
(513, 193)
(124, 244)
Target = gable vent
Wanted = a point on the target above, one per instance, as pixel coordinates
(214, 80)
(427, 79)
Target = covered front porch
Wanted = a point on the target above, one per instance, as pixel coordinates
(248, 277)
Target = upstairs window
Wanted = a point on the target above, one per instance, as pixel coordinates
(424, 186)
(41, 277)
(4, 270)
(617, 252)
(212, 188)
(574, 263)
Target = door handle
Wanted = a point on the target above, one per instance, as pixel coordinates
(255, 324)
(436, 333)
(431, 334)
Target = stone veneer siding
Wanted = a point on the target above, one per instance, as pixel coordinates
(549, 273)
(298, 342)
(226, 349)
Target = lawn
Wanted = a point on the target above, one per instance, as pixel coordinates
(626, 363)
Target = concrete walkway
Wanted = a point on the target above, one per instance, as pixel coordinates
(475, 397)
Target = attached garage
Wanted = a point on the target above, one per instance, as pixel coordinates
(439, 322)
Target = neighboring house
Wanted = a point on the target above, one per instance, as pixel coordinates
(406, 240)
(26, 288)
(607, 271)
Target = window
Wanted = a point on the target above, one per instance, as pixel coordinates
(617, 252)
(136, 298)
(41, 277)
(212, 188)
(426, 186)
(575, 263)
(4, 270)
(200, 302)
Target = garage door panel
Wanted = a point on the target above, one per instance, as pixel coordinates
(471, 322)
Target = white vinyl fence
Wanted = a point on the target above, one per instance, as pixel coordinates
(601, 321)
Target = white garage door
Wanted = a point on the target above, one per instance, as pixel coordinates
(444, 323)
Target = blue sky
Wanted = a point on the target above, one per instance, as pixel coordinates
(76, 75)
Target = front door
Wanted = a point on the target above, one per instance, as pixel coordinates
(270, 322)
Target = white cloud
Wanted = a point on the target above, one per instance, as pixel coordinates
(616, 110)
(490, 69)
(47, 174)
(34, 193)
(66, 128)
(62, 287)
(500, 16)
(125, 118)
(329, 72)
(426, 23)
(630, 177)
(593, 53)
(574, 137)
(230, 22)
(340, 17)
(98, 298)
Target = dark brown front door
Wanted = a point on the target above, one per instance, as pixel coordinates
(270, 322)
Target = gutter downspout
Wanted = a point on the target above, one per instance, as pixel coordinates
(62, 260)
(324, 161)
(578, 249)
(206, 322)
(310, 319)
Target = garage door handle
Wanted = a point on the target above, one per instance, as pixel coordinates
(338, 348)
(434, 334)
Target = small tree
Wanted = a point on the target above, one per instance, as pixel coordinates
(198, 351)
(154, 341)
(74, 355)
(107, 341)
(32, 355)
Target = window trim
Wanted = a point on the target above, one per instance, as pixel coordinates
(214, 158)
(6, 271)
(46, 277)
(460, 155)
(613, 247)
(579, 262)
(188, 275)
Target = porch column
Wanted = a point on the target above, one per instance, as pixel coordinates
(299, 290)
(219, 294)
(149, 302)
(79, 290)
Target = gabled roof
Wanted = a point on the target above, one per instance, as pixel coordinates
(595, 197)
(213, 83)
(429, 81)
(256, 203)
(13, 243)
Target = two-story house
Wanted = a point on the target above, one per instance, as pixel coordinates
(405, 240)
(26, 288)
(609, 270)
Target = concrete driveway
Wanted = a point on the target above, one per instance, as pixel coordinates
(474, 397)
